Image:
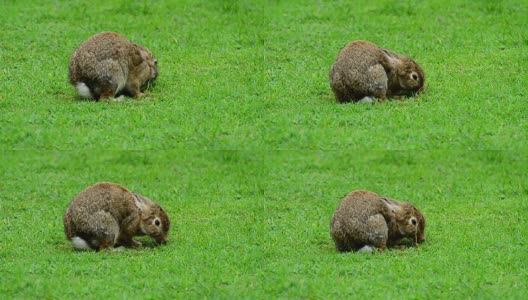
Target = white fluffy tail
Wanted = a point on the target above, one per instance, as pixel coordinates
(366, 99)
(83, 90)
(80, 244)
(366, 249)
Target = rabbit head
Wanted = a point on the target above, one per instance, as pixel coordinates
(410, 222)
(411, 77)
(154, 220)
(407, 77)
(145, 65)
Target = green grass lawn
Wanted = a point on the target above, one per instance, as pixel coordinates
(242, 142)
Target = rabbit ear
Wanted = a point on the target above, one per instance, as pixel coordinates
(390, 61)
(139, 202)
(137, 58)
(394, 208)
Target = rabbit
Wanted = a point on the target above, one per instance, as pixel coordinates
(107, 215)
(107, 66)
(364, 221)
(363, 71)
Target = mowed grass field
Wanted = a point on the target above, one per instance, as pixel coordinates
(250, 224)
(242, 142)
(254, 75)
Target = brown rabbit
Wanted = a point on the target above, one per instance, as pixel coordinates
(364, 221)
(363, 71)
(108, 65)
(107, 215)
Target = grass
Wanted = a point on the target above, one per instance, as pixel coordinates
(254, 74)
(243, 144)
(250, 224)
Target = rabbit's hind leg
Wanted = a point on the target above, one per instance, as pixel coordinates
(107, 90)
(378, 231)
(105, 230)
(378, 81)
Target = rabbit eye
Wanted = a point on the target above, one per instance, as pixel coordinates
(413, 221)
(414, 76)
(156, 62)
(157, 222)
